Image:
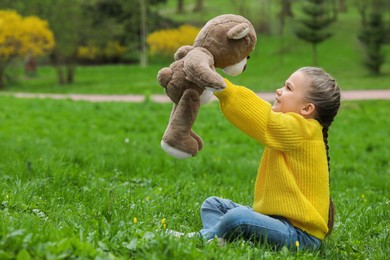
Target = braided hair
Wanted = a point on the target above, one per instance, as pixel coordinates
(324, 93)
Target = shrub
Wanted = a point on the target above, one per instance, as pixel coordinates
(22, 37)
(373, 37)
(113, 51)
(166, 42)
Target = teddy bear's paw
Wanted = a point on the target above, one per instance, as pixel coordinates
(174, 152)
(206, 96)
(164, 76)
(197, 139)
(214, 89)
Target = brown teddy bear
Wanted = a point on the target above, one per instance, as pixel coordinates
(224, 42)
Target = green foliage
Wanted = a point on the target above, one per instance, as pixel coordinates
(91, 23)
(373, 37)
(119, 20)
(313, 26)
(74, 175)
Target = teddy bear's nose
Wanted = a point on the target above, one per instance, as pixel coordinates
(248, 57)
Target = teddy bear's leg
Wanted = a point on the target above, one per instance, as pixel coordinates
(192, 133)
(170, 118)
(178, 139)
(198, 139)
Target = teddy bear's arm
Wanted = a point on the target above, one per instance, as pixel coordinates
(199, 68)
(182, 52)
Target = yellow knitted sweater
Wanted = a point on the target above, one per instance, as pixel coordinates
(292, 179)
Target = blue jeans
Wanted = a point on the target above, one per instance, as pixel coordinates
(226, 219)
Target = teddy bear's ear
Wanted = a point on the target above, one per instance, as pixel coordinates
(239, 31)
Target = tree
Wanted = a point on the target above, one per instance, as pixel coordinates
(284, 13)
(91, 23)
(180, 6)
(373, 37)
(285, 9)
(144, 32)
(312, 28)
(362, 6)
(68, 24)
(343, 6)
(21, 38)
(132, 21)
(198, 6)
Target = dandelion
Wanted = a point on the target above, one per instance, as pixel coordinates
(164, 223)
(135, 220)
(297, 244)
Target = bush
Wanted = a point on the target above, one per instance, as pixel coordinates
(23, 38)
(166, 42)
(373, 37)
(113, 51)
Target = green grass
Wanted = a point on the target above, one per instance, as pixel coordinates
(74, 175)
(105, 79)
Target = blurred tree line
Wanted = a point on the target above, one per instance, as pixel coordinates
(22, 37)
(92, 31)
(109, 31)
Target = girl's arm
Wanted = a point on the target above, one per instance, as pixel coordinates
(253, 115)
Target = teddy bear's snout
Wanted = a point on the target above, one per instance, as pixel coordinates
(236, 69)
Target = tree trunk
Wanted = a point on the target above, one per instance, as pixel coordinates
(60, 75)
(343, 6)
(30, 66)
(362, 10)
(335, 10)
(286, 10)
(314, 48)
(180, 6)
(143, 29)
(198, 6)
(2, 81)
(70, 74)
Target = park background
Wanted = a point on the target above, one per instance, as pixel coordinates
(89, 180)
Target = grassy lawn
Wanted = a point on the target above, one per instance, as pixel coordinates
(89, 180)
(82, 180)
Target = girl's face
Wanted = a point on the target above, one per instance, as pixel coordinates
(291, 97)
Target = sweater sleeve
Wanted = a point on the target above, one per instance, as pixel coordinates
(254, 116)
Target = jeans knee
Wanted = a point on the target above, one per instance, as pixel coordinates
(233, 223)
(235, 217)
(209, 202)
(211, 199)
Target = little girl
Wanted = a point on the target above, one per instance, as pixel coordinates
(292, 205)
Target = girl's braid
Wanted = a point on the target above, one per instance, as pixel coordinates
(324, 93)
